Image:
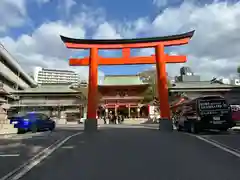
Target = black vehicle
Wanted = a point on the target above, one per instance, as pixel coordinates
(207, 112)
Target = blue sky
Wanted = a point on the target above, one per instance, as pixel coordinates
(32, 28)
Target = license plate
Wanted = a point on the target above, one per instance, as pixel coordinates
(216, 118)
(217, 122)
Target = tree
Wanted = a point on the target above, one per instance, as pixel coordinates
(148, 95)
(149, 77)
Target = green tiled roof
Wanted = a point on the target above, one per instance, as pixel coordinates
(122, 80)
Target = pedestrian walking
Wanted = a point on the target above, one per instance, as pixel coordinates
(104, 119)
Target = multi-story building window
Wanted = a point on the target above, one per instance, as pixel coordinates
(55, 76)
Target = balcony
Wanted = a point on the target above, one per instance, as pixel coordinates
(2, 89)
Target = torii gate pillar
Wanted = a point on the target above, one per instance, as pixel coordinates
(91, 123)
(162, 81)
(160, 59)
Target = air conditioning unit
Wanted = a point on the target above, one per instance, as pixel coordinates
(237, 82)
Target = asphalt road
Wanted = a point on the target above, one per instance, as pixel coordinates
(130, 152)
(16, 150)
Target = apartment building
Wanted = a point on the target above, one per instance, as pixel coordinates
(55, 76)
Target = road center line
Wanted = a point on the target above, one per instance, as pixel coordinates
(221, 146)
(19, 172)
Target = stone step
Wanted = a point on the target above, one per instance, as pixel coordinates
(7, 129)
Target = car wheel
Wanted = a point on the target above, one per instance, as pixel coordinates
(193, 128)
(21, 131)
(179, 127)
(223, 129)
(186, 126)
(34, 128)
(51, 129)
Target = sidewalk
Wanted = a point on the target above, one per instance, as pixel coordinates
(6, 136)
(75, 124)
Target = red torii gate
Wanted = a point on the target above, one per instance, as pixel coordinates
(160, 58)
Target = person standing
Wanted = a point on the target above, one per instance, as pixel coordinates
(110, 118)
(122, 118)
(104, 119)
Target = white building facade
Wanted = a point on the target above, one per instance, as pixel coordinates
(55, 76)
(12, 76)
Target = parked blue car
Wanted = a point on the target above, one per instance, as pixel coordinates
(32, 122)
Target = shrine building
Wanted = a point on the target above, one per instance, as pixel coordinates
(122, 94)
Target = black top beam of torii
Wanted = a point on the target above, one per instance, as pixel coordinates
(128, 41)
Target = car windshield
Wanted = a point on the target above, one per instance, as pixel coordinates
(17, 115)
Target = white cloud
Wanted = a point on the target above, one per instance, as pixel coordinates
(214, 48)
(106, 31)
(213, 51)
(160, 3)
(165, 3)
(43, 1)
(44, 47)
(131, 29)
(66, 6)
(12, 14)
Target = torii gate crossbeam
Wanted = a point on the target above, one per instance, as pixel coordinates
(160, 59)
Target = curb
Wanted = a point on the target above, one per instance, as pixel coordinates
(6, 136)
(21, 136)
